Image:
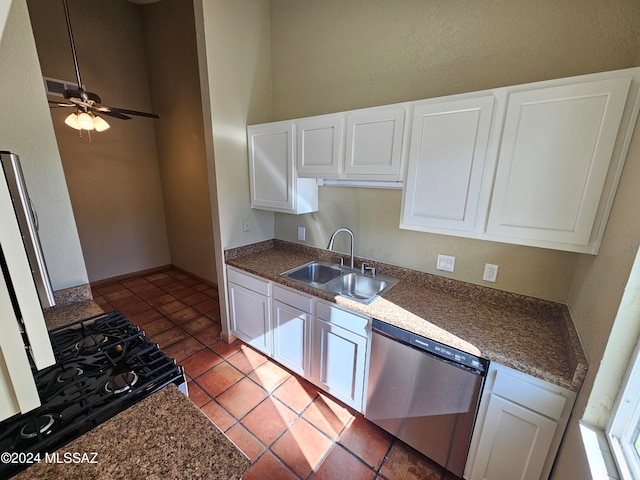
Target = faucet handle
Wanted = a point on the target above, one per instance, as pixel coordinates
(364, 267)
(341, 261)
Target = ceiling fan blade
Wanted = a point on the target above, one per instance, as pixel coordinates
(59, 104)
(113, 114)
(132, 112)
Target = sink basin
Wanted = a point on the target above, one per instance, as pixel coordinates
(341, 280)
(358, 287)
(314, 273)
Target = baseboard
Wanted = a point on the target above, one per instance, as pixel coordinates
(126, 276)
(150, 271)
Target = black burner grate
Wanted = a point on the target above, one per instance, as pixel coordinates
(104, 364)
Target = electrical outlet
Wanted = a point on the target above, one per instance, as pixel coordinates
(490, 272)
(446, 263)
(302, 233)
(245, 224)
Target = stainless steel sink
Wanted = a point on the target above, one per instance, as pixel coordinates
(341, 280)
(358, 287)
(314, 273)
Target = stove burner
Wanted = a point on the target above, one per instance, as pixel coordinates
(121, 382)
(92, 380)
(91, 341)
(69, 373)
(40, 425)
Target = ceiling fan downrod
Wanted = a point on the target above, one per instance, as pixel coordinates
(73, 46)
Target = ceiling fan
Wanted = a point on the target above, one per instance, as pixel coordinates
(87, 104)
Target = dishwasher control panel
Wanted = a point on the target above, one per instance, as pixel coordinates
(445, 352)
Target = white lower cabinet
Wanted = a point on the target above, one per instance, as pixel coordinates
(250, 306)
(320, 341)
(340, 343)
(519, 427)
(292, 329)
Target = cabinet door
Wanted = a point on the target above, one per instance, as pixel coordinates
(291, 337)
(514, 443)
(555, 153)
(272, 173)
(339, 362)
(446, 160)
(18, 391)
(319, 146)
(250, 317)
(374, 143)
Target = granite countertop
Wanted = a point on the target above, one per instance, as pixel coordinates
(163, 436)
(533, 336)
(59, 316)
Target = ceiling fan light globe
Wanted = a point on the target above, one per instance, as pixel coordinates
(100, 124)
(72, 121)
(85, 121)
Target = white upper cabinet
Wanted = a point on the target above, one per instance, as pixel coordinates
(274, 183)
(320, 146)
(556, 150)
(374, 143)
(534, 164)
(361, 144)
(446, 161)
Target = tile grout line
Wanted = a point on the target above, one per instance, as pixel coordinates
(175, 286)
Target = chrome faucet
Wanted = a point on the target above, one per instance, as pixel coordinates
(353, 241)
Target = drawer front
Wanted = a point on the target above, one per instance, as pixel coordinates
(350, 321)
(249, 281)
(529, 395)
(295, 299)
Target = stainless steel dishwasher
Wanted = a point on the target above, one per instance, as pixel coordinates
(425, 393)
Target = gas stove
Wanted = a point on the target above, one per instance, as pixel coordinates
(104, 364)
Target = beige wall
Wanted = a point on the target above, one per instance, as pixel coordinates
(235, 71)
(172, 63)
(337, 55)
(334, 55)
(374, 216)
(239, 80)
(25, 128)
(608, 329)
(114, 182)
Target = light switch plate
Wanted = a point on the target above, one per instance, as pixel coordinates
(446, 263)
(302, 233)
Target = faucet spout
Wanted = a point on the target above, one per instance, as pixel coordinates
(353, 241)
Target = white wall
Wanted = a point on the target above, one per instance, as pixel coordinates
(26, 129)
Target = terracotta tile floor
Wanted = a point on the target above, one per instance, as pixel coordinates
(285, 425)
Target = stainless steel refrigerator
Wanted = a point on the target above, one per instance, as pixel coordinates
(28, 221)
